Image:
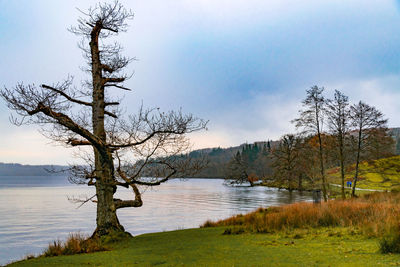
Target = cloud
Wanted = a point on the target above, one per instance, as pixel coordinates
(243, 65)
(213, 138)
(382, 92)
(269, 116)
(261, 118)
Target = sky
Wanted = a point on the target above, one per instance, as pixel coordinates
(242, 65)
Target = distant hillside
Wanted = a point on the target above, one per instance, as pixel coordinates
(14, 169)
(219, 158)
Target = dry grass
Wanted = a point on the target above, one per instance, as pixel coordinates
(374, 214)
(75, 244)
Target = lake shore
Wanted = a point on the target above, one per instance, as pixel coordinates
(335, 233)
(45, 214)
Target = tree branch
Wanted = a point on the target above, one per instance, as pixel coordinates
(67, 122)
(131, 181)
(111, 103)
(66, 96)
(127, 203)
(118, 86)
(107, 68)
(145, 139)
(113, 80)
(79, 101)
(109, 29)
(110, 114)
(76, 142)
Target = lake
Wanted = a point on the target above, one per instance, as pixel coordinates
(35, 210)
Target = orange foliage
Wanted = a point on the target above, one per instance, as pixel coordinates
(374, 214)
(252, 177)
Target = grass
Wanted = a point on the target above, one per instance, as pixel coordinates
(209, 247)
(337, 233)
(75, 244)
(381, 174)
(374, 214)
(390, 242)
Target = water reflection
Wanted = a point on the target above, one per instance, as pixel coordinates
(36, 211)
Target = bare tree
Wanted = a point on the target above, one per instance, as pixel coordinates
(237, 170)
(311, 121)
(366, 120)
(286, 160)
(337, 111)
(123, 150)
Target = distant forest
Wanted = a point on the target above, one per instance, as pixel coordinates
(219, 158)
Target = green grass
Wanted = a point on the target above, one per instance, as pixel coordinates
(209, 247)
(381, 174)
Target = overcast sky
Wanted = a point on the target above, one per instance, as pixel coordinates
(243, 65)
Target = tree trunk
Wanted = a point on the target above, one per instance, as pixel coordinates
(321, 155)
(300, 184)
(353, 192)
(290, 181)
(341, 155)
(343, 178)
(107, 221)
(321, 158)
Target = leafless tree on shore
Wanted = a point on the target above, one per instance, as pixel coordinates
(123, 149)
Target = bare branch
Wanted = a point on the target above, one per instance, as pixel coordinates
(111, 103)
(82, 201)
(114, 80)
(118, 86)
(68, 123)
(75, 142)
(66, 96)
(137, 202)
(110, 17)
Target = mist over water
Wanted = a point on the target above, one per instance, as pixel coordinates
(35, 210)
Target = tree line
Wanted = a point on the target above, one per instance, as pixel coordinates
(330, 133)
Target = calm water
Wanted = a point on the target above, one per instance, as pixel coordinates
(36, 210)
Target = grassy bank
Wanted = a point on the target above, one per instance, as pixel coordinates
(337, 233)
(381, 174)
(210, 247)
